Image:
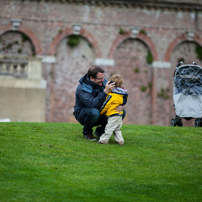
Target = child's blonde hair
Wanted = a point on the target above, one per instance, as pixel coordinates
(117, 79)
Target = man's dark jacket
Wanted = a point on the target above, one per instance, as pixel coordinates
(89, 94)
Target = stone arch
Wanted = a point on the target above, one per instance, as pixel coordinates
(141, 37)
(178, 40)
(71, 64)
(28, 32)
(130, 56)
(69, 31)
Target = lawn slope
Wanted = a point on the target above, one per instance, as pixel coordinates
(52, 162)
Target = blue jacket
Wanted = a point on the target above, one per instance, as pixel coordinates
(89, 94)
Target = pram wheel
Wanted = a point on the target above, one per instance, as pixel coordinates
(197, 123)
(176, 122)
(179, 122)
(173, 122)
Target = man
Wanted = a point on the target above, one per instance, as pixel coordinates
(90, 94)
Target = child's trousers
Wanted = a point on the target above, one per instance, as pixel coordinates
(113, 126)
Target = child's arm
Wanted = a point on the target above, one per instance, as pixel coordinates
(106, 104)
(125, 98)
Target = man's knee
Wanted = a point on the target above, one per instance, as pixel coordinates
(95, 113)
(89, 116)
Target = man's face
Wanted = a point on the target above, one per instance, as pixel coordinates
(99, 79)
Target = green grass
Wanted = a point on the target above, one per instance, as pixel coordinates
(52, 162)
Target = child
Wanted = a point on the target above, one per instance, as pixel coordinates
(118, 96)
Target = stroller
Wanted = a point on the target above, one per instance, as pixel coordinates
(187, 94)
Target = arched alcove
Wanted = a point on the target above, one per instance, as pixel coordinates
(131, 62)
(16, 43)
(72, 62)
(69, 31)
(24, 31)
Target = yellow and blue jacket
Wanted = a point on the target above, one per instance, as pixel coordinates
(117, 97)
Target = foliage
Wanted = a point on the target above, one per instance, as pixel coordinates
(143, 88)
(198, 51)
(164, 93)
(73, 40)
(121, 31)
(25, 37)
(53, 162)
(90, 45)
(33, 51)
(142, 31)
(149, 58)
(9, 45)
(181, 60)
(60, 31)
(150, 86)
(136, 70)
(19, 50)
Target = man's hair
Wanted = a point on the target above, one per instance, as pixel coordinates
(117, 79)
(94, 70)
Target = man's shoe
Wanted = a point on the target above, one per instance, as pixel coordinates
(90, 137)
(98, 135)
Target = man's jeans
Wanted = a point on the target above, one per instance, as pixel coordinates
(90, 117)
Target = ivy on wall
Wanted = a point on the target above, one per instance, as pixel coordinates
(143, 88)
(142, 31)
(150, 86)
(198, 51)
(73, 40)
(149, 58)
(136, 70)
(121, 31)
(25, 38)
(164, 93)
(180, 60)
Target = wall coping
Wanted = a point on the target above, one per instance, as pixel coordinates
(175, 4)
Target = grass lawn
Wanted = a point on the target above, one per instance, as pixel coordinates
(52, 162)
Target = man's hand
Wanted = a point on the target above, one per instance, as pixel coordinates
(119, 108)
(109, 87)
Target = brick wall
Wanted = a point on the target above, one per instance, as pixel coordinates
(48, 24)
